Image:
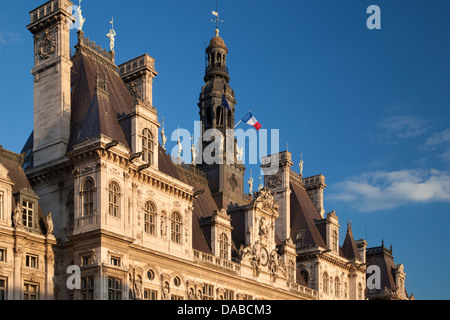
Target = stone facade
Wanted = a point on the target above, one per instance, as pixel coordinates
(99, 194)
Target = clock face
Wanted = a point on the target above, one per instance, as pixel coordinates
(264, 257)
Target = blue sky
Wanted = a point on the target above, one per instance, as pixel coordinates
(367, 108)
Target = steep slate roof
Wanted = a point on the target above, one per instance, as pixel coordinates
(349, 248)
(382, 257)
(94, 113)
(303, 217)
(204, 207)
(13, 163)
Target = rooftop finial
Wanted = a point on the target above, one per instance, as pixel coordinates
(111, 35)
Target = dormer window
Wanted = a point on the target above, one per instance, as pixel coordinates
(223, 246)
(28, 214)
(335, 241)
(147, 146)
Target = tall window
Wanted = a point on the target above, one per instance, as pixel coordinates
(334, 241)
(114, 199)
(31, 261)
(2, 289)
(223, 246)
(2, 255)
(337, 287)
(1, 205)
(150, 218)
(175, 227)
(27, 213)
(208, 292)
(114, 289)
(147, 146)
(87, 288)
(30, 291)
(325, 283)
(88, 197)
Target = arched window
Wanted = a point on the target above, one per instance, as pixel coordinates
(150, 218)
(223, 246)
(337, 287)
(114, 199)
(175, 227)
(325, 283)
(334, 241)
(147, 146)
(88, 197)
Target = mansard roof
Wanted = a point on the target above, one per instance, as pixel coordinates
(95, 112)
(13, 163)
(383, 258)
(303, 217)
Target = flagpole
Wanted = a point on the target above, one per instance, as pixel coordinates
(237, 124)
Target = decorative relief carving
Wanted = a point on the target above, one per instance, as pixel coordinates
(46, 44)
(265, 200)
(274, 180)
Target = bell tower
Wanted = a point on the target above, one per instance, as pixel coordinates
(51, 74)
(217, 106)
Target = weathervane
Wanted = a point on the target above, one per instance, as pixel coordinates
(216, 20)
(111, 35)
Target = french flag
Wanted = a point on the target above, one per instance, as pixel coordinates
(251, 120)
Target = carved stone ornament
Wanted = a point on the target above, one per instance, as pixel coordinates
(233, 182)
(46, 45)
(274, 180)
(265, 200)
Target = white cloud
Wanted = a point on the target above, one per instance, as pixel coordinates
(383, 190)
(9, 37)
(437, 138)
(402, 126)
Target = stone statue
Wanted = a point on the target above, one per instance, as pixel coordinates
(193, 152)
(301, 164)
(138, 288)
(180, 148)
(239, 153)
(112, 36)
(261, 186)
(81, 19)
(250, 185)
(17, 217)
(244, 251)
(49, 224)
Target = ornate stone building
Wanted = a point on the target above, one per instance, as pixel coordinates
(99, 192)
